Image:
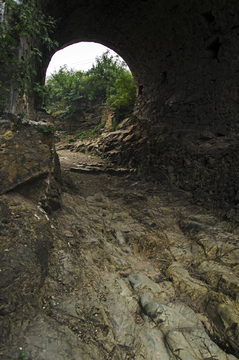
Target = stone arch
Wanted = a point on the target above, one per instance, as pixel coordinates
(184, 55)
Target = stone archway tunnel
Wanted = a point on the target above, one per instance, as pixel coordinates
(184, 56)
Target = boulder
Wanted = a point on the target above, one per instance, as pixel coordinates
(27, 156)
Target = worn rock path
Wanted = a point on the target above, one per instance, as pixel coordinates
(127, 269)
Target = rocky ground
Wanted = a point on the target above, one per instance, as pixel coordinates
(200, 162)
(126, 269)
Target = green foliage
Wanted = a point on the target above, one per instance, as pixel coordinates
(114, 125)
(89, 134)
(102, 76)
(43, 94)
(107, 80)
(67, 87)
(22, 356)
(121, 97)
(17, 21)
(64, 92)
(83, 134)
(46, 130)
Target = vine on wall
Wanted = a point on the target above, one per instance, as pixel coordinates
(20, 20)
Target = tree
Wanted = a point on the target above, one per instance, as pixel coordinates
(102, 76)
(64, 89)
(121, 97)
(108, 82)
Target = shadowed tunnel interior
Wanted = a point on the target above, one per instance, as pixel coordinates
(184, 56)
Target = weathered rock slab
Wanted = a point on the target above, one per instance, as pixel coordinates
(25, 155)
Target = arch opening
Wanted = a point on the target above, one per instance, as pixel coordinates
(79, 56)
(89, 85)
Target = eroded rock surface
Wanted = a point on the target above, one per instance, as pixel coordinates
(27, 155)
(201, 162)
(124, 270)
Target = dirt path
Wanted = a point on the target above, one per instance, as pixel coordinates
(71, 159)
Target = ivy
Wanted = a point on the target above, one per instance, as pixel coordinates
(18, 20)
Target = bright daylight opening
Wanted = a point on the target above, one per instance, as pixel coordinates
(80, 56)
(89, 89)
